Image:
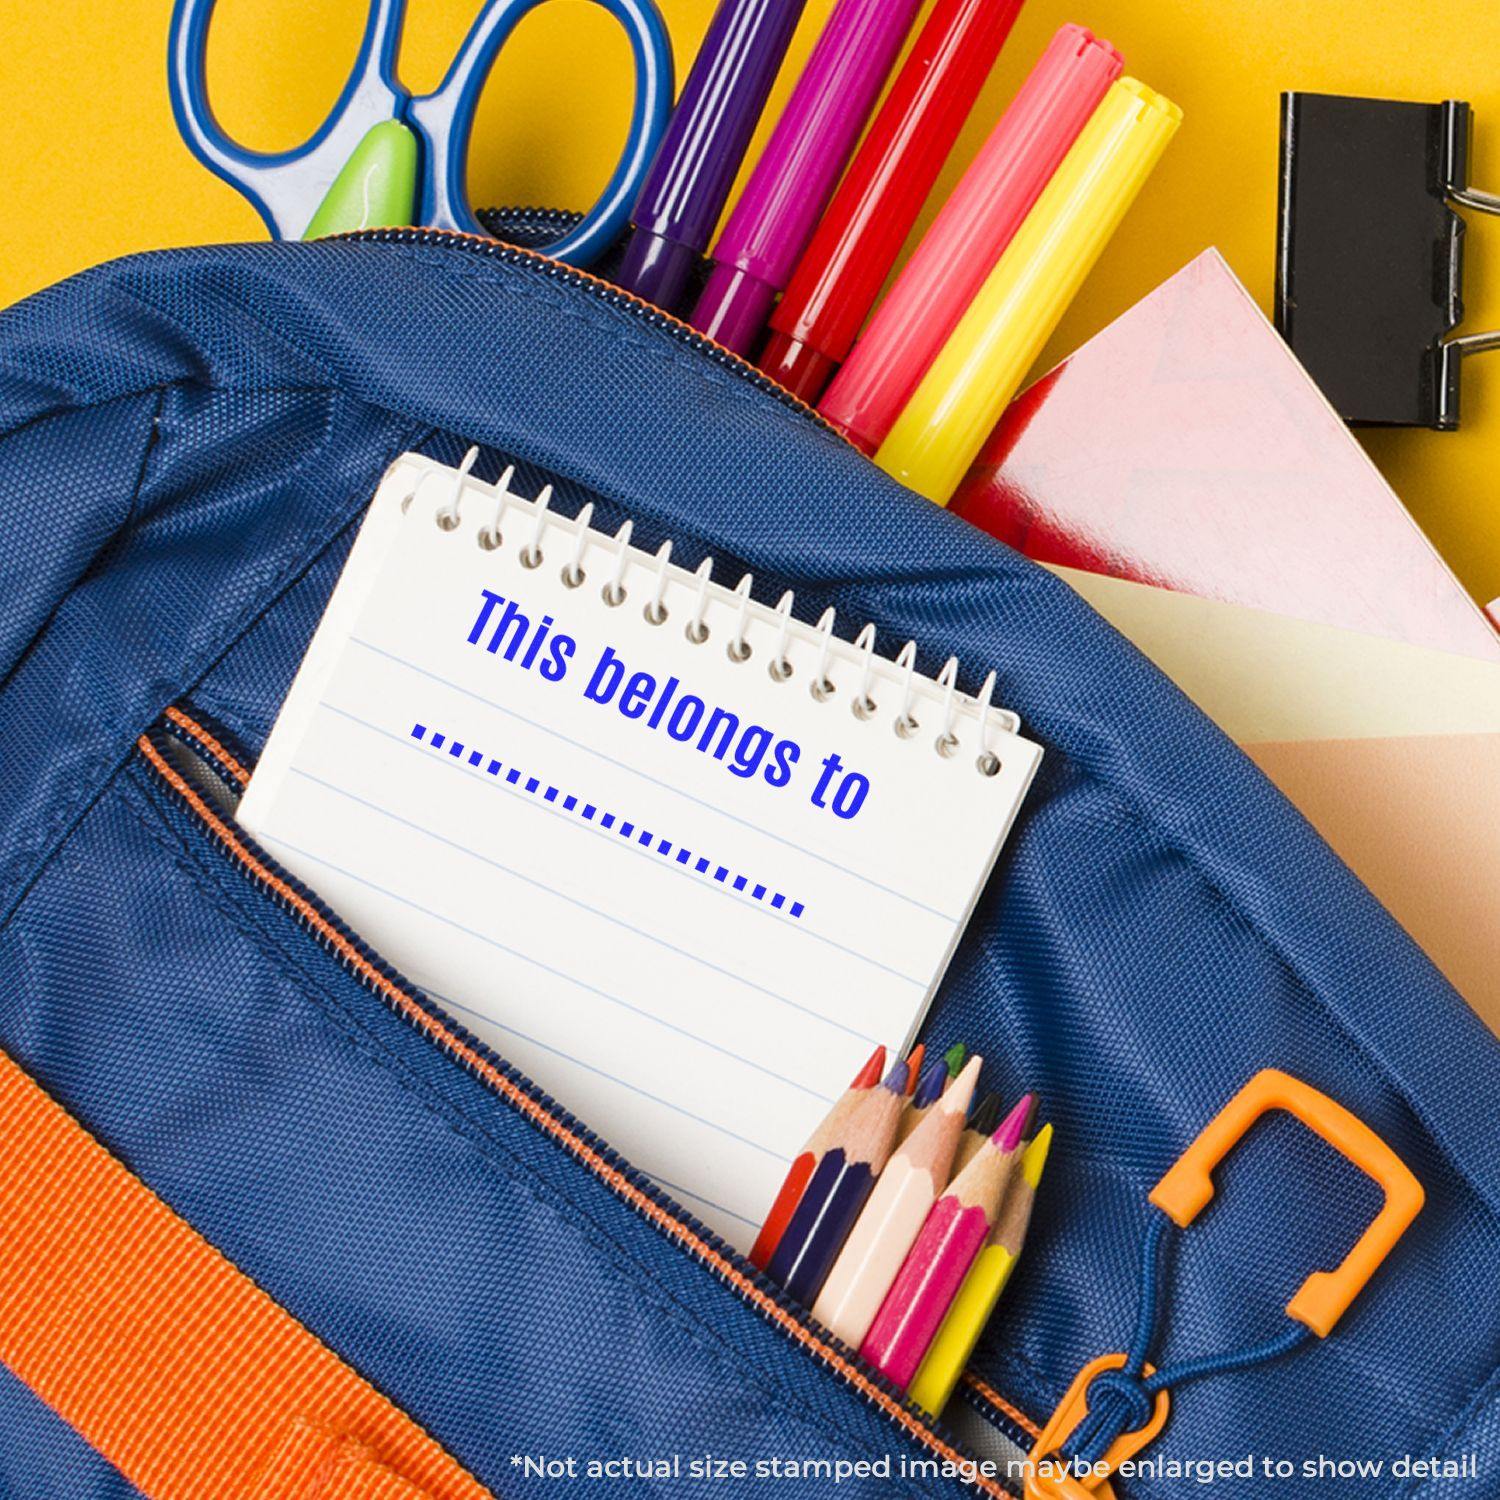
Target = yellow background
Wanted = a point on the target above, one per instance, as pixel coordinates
(95, 167)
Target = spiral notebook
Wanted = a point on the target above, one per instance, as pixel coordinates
(679, 856)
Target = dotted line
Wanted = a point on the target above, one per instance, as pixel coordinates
(567, 802)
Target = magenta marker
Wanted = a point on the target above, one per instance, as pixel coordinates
(792, 181)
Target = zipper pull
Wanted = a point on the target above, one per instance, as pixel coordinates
(1051, 1476)
(1118, 1403)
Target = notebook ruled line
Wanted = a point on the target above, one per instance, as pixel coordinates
(594, 827)
(493, 942)
(593, 911)
(951, 919)
(624, 1083)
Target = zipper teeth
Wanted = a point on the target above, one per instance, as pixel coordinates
(991, 1405)
(226, 765)
(605, 291)
(638, 1192)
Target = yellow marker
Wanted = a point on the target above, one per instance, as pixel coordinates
(941, 429)
(981, 1288)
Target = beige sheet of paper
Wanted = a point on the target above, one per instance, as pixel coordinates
(1391, 751)
(1263, 676)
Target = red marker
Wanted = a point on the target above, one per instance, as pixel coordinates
(846, 263)
(967, 237)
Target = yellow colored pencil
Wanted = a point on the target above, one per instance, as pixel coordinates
(976, 1299)
(953, 410)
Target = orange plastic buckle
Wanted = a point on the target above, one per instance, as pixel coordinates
(1322, 1299)
(1046, 1482)
(1319, 1302)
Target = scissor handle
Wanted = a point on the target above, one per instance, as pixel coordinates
(444, 121)
(286, 187)
(1321, 1300)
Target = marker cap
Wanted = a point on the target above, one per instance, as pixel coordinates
(943, 426)
(657, 268)
(969, 234)
(733, 307)
(802, 369)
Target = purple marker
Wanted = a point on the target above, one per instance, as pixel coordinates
(689, 181)
(789, 188)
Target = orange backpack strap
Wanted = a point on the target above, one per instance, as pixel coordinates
(172, 1363)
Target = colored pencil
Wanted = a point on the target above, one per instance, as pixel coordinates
(947, 1246)
(838, 1189)
(954, 1057)
(894, 1216)
(800, 1172)
(983, 1285)
(914, 1066)
(928, 1091)
(980, 1128)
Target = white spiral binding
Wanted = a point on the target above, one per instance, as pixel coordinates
(949, 704)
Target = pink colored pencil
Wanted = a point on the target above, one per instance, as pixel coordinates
(932, 1273)
(968, 236)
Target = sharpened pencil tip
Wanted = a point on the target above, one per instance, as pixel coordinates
(869, 1075)
(895, 1080)
(986, 1114)
(1008, 1136)
(1034, 1157)
(914, 1065)
(954, 1059)
(931, 1084)
(960, 1092)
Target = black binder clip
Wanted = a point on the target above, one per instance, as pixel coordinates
(1369, 253)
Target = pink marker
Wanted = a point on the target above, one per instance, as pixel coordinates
(968, 236)
(953, 1235)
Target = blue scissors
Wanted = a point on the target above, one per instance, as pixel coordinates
(414, 149)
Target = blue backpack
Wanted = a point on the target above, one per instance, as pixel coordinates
(187, 442)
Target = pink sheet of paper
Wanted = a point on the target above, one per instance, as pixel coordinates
(1417, 818)
(1185, 447)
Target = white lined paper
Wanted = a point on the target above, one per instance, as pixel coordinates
(691, 961)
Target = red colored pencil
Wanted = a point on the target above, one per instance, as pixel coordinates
(806, 1161)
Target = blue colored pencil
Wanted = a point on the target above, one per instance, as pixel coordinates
(929, 1090)
(838, 1190)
